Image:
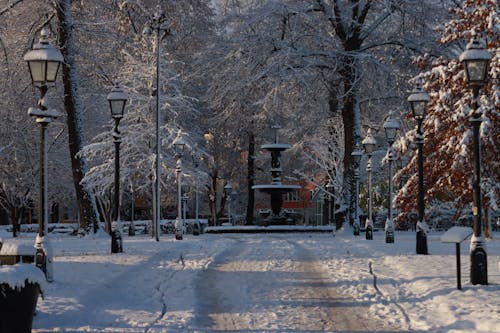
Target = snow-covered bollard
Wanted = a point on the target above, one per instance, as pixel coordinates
(20, 286)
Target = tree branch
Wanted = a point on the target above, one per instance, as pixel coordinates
(9, 7)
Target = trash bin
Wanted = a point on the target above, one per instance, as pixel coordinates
(20, 286)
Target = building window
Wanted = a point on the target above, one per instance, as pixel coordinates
(292, 196)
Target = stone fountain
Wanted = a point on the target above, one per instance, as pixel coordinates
(276, 189)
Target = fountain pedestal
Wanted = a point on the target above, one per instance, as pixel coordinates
(276, 189)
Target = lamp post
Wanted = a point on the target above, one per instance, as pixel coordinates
(196, 164)
(179, 151)
(476, 60)
(117, 99)
(43, 63)
(418, 102)
(160, 25)
(227, 188)
(369, 143)
(185, 198)
(356, 156)
(391, 127)
(329, 189)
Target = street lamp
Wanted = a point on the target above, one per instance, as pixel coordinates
(391, 127)
(329, 189)
(476, 60)
(43, 63)
(161, 26)
(185, 198)
(369, 143)
(117, 99)
(196, 163)
(229, 191)
(179, 145)
(418, 102)
(356, 157)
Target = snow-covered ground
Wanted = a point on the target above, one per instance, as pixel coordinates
(280, 282)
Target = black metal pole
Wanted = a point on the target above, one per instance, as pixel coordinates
(369, 222)
(116, 242)
(116, 198)
(41, 255)
(459, 281)
(479, 263)
(41, 194)
(157, 162)
(389, 227)
(421, 240)
(356, 227)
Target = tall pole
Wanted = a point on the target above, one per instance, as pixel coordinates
(41, 260)
(476, 59)
(116, 197)
(179, 223)
(43, 62)
(389, 225)
(356, 200)
(421, 225)
(160, 25)
(229, 208)
(116, 244)
(157, 214)
(369, 221)
(329, 189)
(196, 202)
(479, 263)
(43, 255)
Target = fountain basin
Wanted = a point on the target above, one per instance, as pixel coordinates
(276, 146)
(268, 188)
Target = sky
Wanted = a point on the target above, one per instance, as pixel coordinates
(265, 282)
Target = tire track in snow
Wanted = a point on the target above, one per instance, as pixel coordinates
(162, 287)
(388, 300)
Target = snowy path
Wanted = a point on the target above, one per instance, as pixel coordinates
(288, 291)
(264, 283)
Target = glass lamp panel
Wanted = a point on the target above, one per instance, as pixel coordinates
(369, 147)
(117, 107)
(418, 108)
(37, 70)
(179, 147)
(390, 133)
(52, 68)
(476, 70)
(356, 155)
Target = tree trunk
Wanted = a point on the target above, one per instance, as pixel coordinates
(72, 106)
(250, 178)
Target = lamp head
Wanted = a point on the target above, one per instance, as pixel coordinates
(476, 60)
(391, 127)
(117, 99)
(179, 145)
(43, 60)
(418, 101)
(369, 143)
